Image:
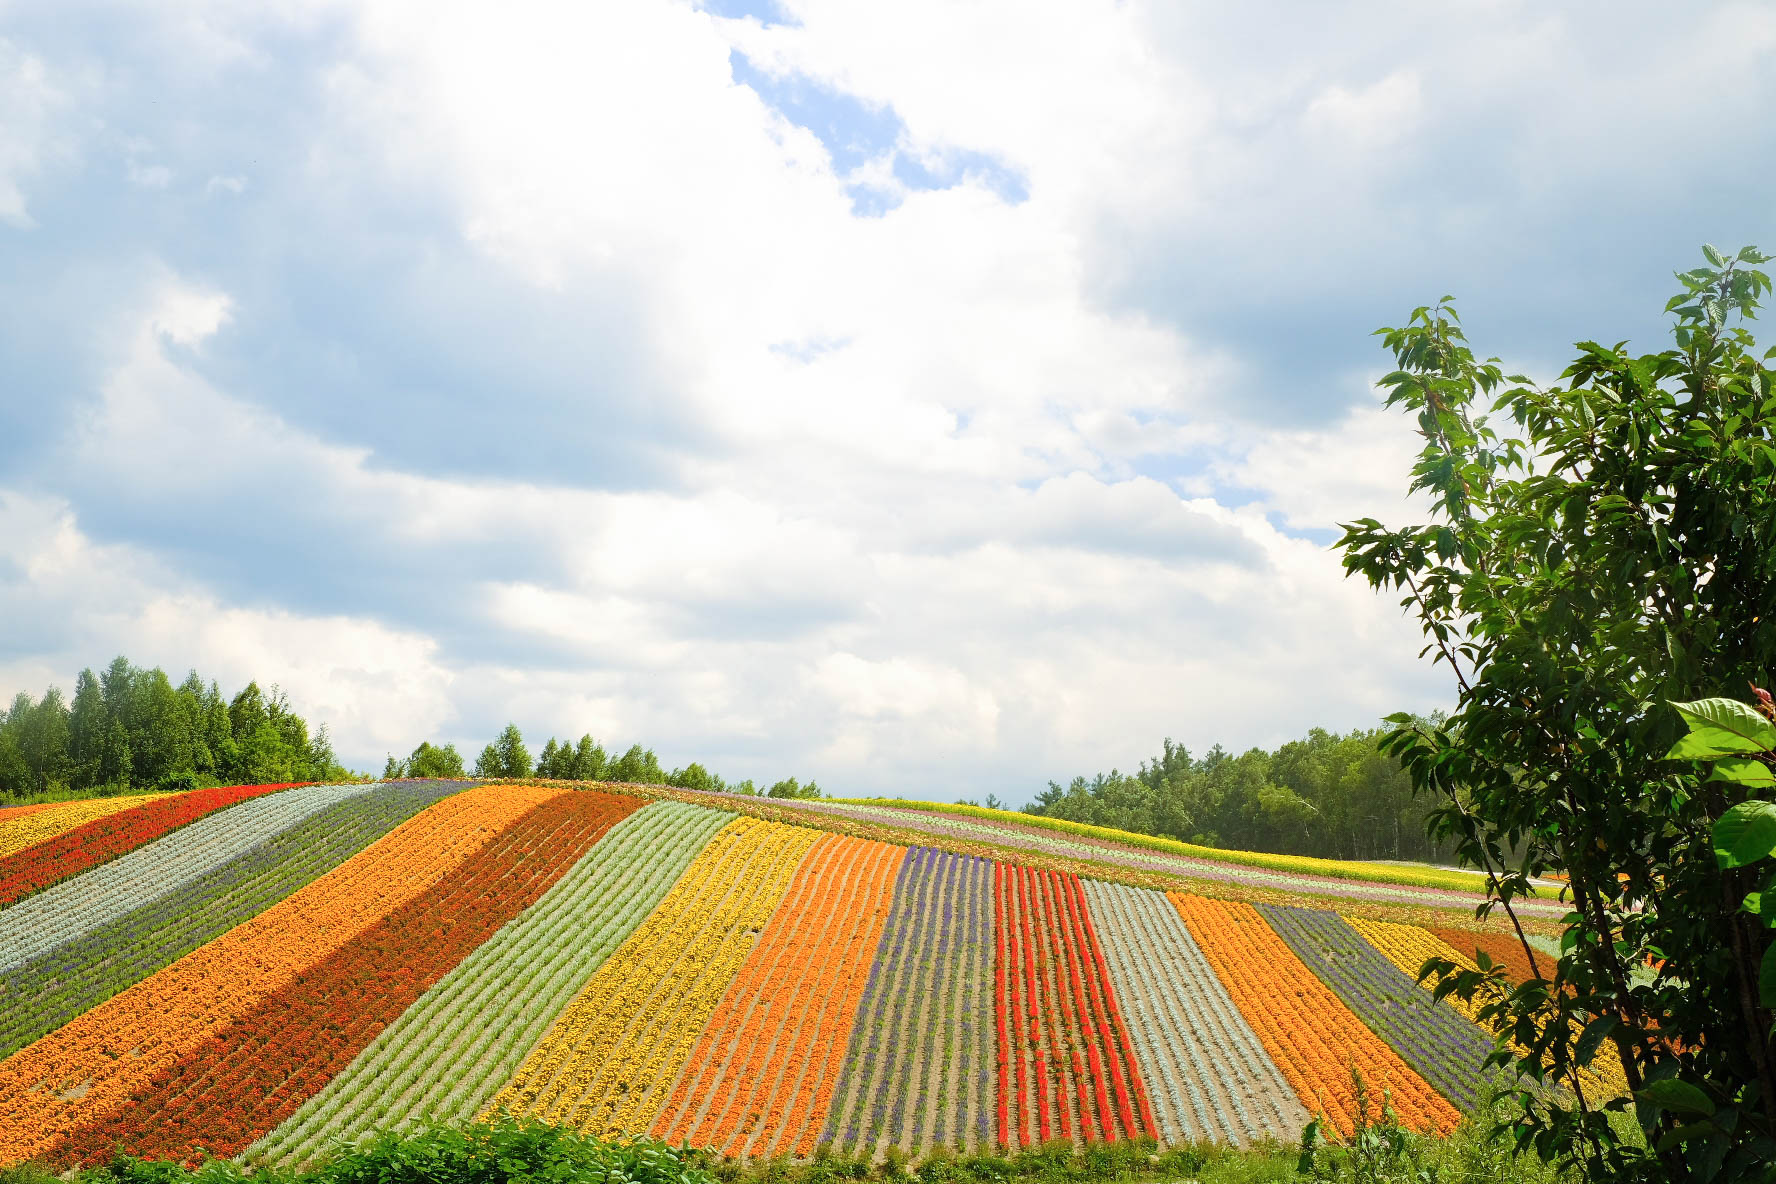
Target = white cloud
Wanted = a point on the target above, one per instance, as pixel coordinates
(30, 100)
(84, 601)
(942, 509)
(1359, 467)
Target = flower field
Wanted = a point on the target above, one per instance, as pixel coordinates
(263, 971)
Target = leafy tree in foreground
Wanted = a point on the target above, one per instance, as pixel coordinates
(1614, 556)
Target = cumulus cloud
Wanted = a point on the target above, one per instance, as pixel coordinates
(547, 364)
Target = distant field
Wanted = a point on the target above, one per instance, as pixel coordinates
(261, 971)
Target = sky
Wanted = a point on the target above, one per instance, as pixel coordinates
(929, 398)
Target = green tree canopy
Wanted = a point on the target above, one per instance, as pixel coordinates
(1598, 549)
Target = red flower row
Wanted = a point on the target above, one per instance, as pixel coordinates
(1065, 1062)
(253, 1074)
(104, 839)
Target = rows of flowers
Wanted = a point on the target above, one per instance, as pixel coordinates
(1502, 949)
(1294, 874)
(71, 909)
(1313, 1037)
(26, 826)
(1205, 1069)
(1409, 948)
(917, 1073)
(90, 1067)
(613, 1053)
(448, 1053)
(102, 839)
(308, 965)
(252, 1074)
(760, 1079)
(58, 985)
(1441, 1045)
(1065, 1069)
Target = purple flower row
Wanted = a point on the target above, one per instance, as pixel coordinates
(920, 1052)
(1439, 1043)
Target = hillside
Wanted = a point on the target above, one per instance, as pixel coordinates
(262, 970)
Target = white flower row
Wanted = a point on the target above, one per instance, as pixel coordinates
(1207, 1075)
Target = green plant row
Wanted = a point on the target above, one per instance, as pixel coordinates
(1379, 873)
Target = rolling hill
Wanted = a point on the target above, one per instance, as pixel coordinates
(260, 971)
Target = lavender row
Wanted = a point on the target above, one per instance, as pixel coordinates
(1103, 851)
(1207, 1073)
(53, 988)
(918, 1069)
(1445, 1048)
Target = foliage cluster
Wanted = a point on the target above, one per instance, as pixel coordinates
(507, 756)
(1600, 549)
(513, 1151)
(132, 728)
(1327, 795)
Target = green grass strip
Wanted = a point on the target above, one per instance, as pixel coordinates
(449, 1053)
(1379, 873)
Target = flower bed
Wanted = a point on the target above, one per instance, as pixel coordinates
(917, 1072)
(79, 1073)
(1066, 1070)
(105, 838)
(26, 826)
(760, 1080)
(1442, 1045)
(74, 907)
(1313, 1037)
(1206, 1071)
(452, 1050)
(253, 1073)
(607, 1063)
(53, 988)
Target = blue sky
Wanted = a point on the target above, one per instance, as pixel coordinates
(926, 398)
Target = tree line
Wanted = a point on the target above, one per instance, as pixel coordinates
(1330, 795)
(132, 728)
(586, 760)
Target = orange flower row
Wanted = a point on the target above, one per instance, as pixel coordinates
(761, 1080)
(1505, 950)
(89, 1068)
(1310, 1034)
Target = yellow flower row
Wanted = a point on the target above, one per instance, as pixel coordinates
(1409, 947)
(32, 825)
(609, 1061)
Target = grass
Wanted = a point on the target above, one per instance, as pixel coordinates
(524, 1151)
(1304, 864)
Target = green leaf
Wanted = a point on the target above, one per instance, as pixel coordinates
(1742, 770)
(1713, 256)
(1719, 727)
(1745, 834)
(1767, 978)
(1595, 1033)
(1679, 1135)
(1679, 1097)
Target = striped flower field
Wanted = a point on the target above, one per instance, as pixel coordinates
(263, 971)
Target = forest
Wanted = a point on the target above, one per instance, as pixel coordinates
(1330, 795)
(132, 728)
